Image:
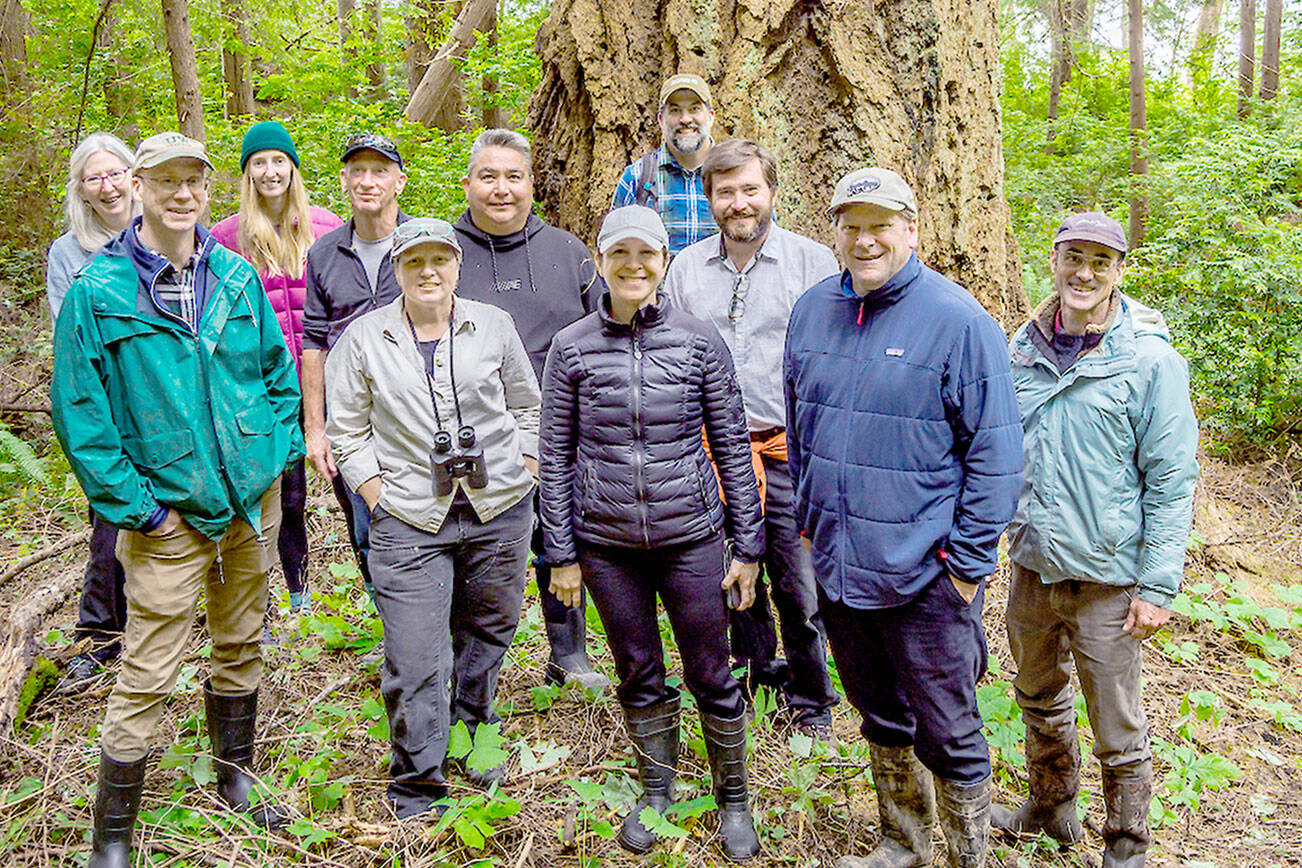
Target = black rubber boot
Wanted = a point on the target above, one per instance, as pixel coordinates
(569, 654)
(654, 733)
(906, 807)
(1053, 769)
(725, 742)
(964, 811)
(1127, 791)
(117, 801)
(231, 721)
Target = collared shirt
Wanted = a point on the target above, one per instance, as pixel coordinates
(175, 288)
(677, 193)
(702, 281)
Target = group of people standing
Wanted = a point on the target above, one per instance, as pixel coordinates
(710, 396)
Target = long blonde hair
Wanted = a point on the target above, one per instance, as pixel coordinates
(273, 252)
(89, 230)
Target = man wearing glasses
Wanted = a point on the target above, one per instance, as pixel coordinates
(176, 402)
(744, 281)
(348, 273)
(1098, 541)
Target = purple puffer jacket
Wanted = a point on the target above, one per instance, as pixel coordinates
(286, 293)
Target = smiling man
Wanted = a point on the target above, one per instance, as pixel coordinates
(546, 279)
(669, 179)
(176, 402)
(904, 441)
(744, 281)
(1098, 541)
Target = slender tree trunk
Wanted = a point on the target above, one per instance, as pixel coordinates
(185, 75)
(1059, 67)
(119, 94)
(910, 84)
(423, 33)
(1207, 33)
(429, 102)
(375, 75)
(1247, 53)
(1138, 123)
(235, 60)
(492, 112)
(13, 51)
(1270, 50)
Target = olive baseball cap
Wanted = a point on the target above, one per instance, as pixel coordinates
(632, 221)
(1092, 226)
(423, 230)
(874, 186)
(158, 149)
(685, 81)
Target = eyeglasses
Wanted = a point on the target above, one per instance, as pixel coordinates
(1097, 264)
(738, 305)
(97, 182)
(171, 186)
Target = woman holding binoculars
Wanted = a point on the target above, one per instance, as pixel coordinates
(434, 422)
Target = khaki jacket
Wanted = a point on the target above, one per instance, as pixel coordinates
(381, 422)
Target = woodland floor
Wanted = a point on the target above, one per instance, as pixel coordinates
(321, 721)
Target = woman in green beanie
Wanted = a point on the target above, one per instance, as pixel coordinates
(273, 229)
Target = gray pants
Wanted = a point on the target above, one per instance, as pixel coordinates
(450, 602)
(1048, 625)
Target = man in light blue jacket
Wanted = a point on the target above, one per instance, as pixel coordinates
(1098, 542)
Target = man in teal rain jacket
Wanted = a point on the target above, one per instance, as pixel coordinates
(1099, 539)
(176, 402)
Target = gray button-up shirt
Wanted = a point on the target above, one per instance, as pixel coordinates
(703, 282)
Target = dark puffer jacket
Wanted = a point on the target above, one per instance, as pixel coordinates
(622, 462)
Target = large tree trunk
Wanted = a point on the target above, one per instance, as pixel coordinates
(489, 84)
(235, 62)
(185, 75)
(1138, 123)
(1270, 49)
(827, 86)
(1207, 32)
(13, 51)
(423, 33)
(440, 87)
(1247, 53)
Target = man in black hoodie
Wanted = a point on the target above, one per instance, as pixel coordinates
(546, 279)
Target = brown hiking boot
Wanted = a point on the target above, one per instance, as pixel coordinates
(1127, 791)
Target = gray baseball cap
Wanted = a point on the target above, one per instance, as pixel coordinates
(632, 221)
(874, 186)
(423, 230)
(1092, 226)
(158, 149)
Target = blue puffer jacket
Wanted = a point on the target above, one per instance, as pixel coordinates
(1111, 460)
(903, 435)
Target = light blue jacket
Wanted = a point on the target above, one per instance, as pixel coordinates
(1110, 457)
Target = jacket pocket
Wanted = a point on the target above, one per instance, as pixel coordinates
(705, 481)
(160, 450)
(115, 329)
(255, 420)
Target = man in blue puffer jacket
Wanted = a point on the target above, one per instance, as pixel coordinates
(1099, 538)
(904, 438)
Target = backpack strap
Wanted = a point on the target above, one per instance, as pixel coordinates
(645, 173)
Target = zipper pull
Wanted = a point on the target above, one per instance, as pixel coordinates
(859, 319)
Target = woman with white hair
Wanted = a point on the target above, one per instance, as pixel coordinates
(98, 203)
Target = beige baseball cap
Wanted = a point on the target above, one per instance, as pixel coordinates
(160, 148)
(423, 230)
(685, 81)
(874, 186)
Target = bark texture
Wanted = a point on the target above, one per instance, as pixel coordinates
(235, 60)
(13, 50)
(1247, 53)
(828, 86)
(440, 87)
(1069, 27)
(18, 637)
(1270, 49)
(1138, 123)
(185, 75)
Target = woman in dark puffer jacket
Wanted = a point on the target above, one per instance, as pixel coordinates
(631, 506)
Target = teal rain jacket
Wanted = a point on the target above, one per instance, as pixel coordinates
(1110, 448)
(150, 413)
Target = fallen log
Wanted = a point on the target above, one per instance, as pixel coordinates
(18, 637)
(44, 554)
(444, 70)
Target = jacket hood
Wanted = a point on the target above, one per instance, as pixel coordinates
(1147, 320)
(499, 243)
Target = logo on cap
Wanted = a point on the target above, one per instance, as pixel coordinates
(865, 186)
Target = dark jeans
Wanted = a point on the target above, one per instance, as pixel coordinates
(553, 609)
(102, 615)
(911, 672)
(358, 519)
(624, 583)
(450, 602)
(291, 542)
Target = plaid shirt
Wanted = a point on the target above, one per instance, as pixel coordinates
(679, 196)
(176, 291)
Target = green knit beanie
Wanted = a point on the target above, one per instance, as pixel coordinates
(267, 136)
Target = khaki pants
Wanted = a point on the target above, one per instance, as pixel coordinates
(1045, 623)
(164, 577)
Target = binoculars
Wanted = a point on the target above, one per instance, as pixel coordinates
(451, 461)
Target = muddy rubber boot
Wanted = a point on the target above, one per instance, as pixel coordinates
(117, 801)
(654, 733)
(569, 654)
(725, 742)
(964, 812)
(1053, 769)
(231, 721)
(906, 807)
(1127, 791)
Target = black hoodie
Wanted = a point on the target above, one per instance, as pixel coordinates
(544, 277)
